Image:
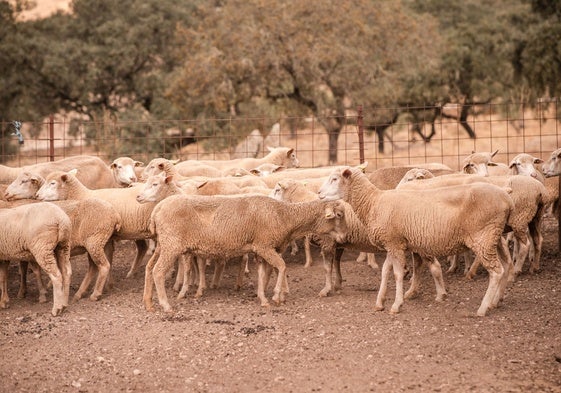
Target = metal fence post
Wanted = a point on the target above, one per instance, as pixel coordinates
(51, 138)
(360, 130)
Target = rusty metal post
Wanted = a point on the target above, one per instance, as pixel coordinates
(559, 216)
(51, 138)
(360, 130)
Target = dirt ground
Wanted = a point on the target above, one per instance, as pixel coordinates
(226, 342)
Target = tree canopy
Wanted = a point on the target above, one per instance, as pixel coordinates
(161, 59)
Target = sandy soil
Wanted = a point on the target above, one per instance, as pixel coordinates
(226, 342)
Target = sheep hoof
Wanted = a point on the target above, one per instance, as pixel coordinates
(42, 299)
(265, 303)
(379, 308)
(4, 305)
(440, 298)
(324, 293)
(21, 295)
(411, 295)
(394, 310)
(95, 298)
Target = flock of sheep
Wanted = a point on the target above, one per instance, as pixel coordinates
(192, 214)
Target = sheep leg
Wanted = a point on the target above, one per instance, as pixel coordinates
(62, 256)
(399, 272)
(185, 266)
(219, 267)
(92, 270)
(494, 267)
(383, 283)
(537, 240)
(165, 263)
(371, 261)
(522, 241)
(109, 251)
(275, 260)
(453, 261)
(436, 272)
(361, 257)
(4, 297)
(180, 276)
(243, 270)
(263, 275)
(308, 252)
(201, 264)
(103, 266)
(413, 290)
(23, 265)
(338, 284)
(42, 288)
(149, 280)
(506, 260)
(293, 247)
(141, 248)
(327, 267)
(48, 262)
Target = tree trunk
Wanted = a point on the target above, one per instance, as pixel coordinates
(464, 123)
(333, 139)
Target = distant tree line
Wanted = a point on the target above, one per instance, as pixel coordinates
(207, 60)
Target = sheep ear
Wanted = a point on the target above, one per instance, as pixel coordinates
(492, 163)
(255, 172)
(538, 160)
(363, 166)
(270, 148)
(73, 171)
(278, 168)
(168, 179)
(512, 164)
(161, 166)
(113, 165)
(329, 214)
(202, 184)
(473, 152)
(175, 161)
(347, 173)
(289, 153)
(64, 178)
(494, 153)
(138, 163)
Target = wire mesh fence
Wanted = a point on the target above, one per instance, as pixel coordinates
(381, 136)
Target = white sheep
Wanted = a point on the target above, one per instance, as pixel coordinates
(134, 216)
(552, 167)
(91, 170)
(40, 232)
(124, 171)
(389, 177)
(224, 227)
(482, 164)
(431, 223)
(290, 190)
(159, 187)
(528, 197)
(282, 156)
(94, 221)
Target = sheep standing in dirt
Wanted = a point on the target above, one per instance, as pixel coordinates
(134, 216)
(528, 197)
(94, 222)
(226, 227)
(430, 223)
(40, 232)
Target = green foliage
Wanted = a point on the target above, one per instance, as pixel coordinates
(250, 56)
